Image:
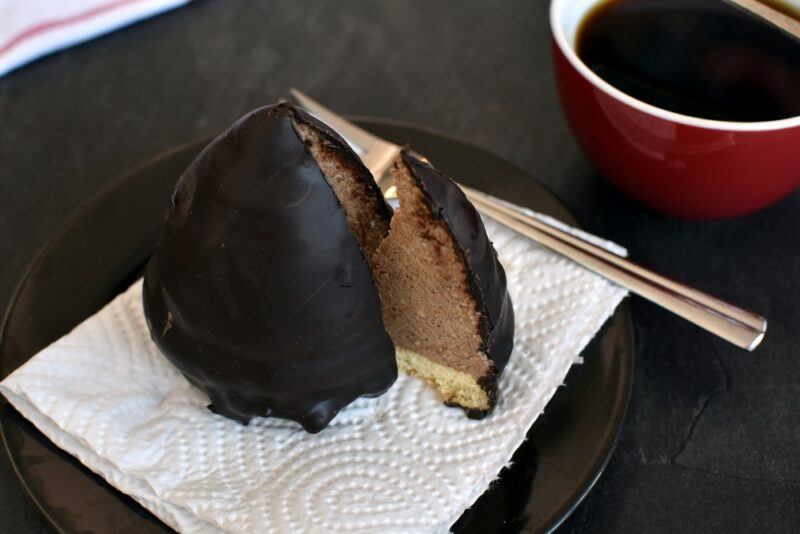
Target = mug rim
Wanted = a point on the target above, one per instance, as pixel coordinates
(568, 49)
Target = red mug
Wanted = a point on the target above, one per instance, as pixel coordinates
(675, 164)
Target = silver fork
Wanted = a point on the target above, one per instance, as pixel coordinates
(743, 328)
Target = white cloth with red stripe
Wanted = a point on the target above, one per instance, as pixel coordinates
(30, 29)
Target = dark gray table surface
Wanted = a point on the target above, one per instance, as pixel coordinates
(712, 437)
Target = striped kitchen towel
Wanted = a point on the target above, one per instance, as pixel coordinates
(30, 29)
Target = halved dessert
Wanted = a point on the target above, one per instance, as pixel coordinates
(443, 291)
(278, 279)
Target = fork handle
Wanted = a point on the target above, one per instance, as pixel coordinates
(743, 328)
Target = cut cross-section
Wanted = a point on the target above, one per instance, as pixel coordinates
(443, 291)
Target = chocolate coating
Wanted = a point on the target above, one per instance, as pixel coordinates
(487, 279)
(257, 290)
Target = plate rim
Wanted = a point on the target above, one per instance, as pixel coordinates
(552, 522)
(599, 468)
(69, 222)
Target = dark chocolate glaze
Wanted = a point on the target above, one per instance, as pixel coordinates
(257, 290)
(485, 274)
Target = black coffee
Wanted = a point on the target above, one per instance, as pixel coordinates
(697, 57)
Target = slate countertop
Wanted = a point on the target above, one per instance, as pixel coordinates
(712, 437)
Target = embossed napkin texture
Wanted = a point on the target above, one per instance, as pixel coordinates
(401, 462)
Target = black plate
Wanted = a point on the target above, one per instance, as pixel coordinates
(100, 251)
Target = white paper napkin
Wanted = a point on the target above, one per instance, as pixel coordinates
(402, 462)
(30, 29)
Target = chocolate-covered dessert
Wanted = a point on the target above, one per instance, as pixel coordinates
(259, 289)
(281, 273)
(445, 301)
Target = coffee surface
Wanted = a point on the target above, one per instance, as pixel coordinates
(703, 58)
